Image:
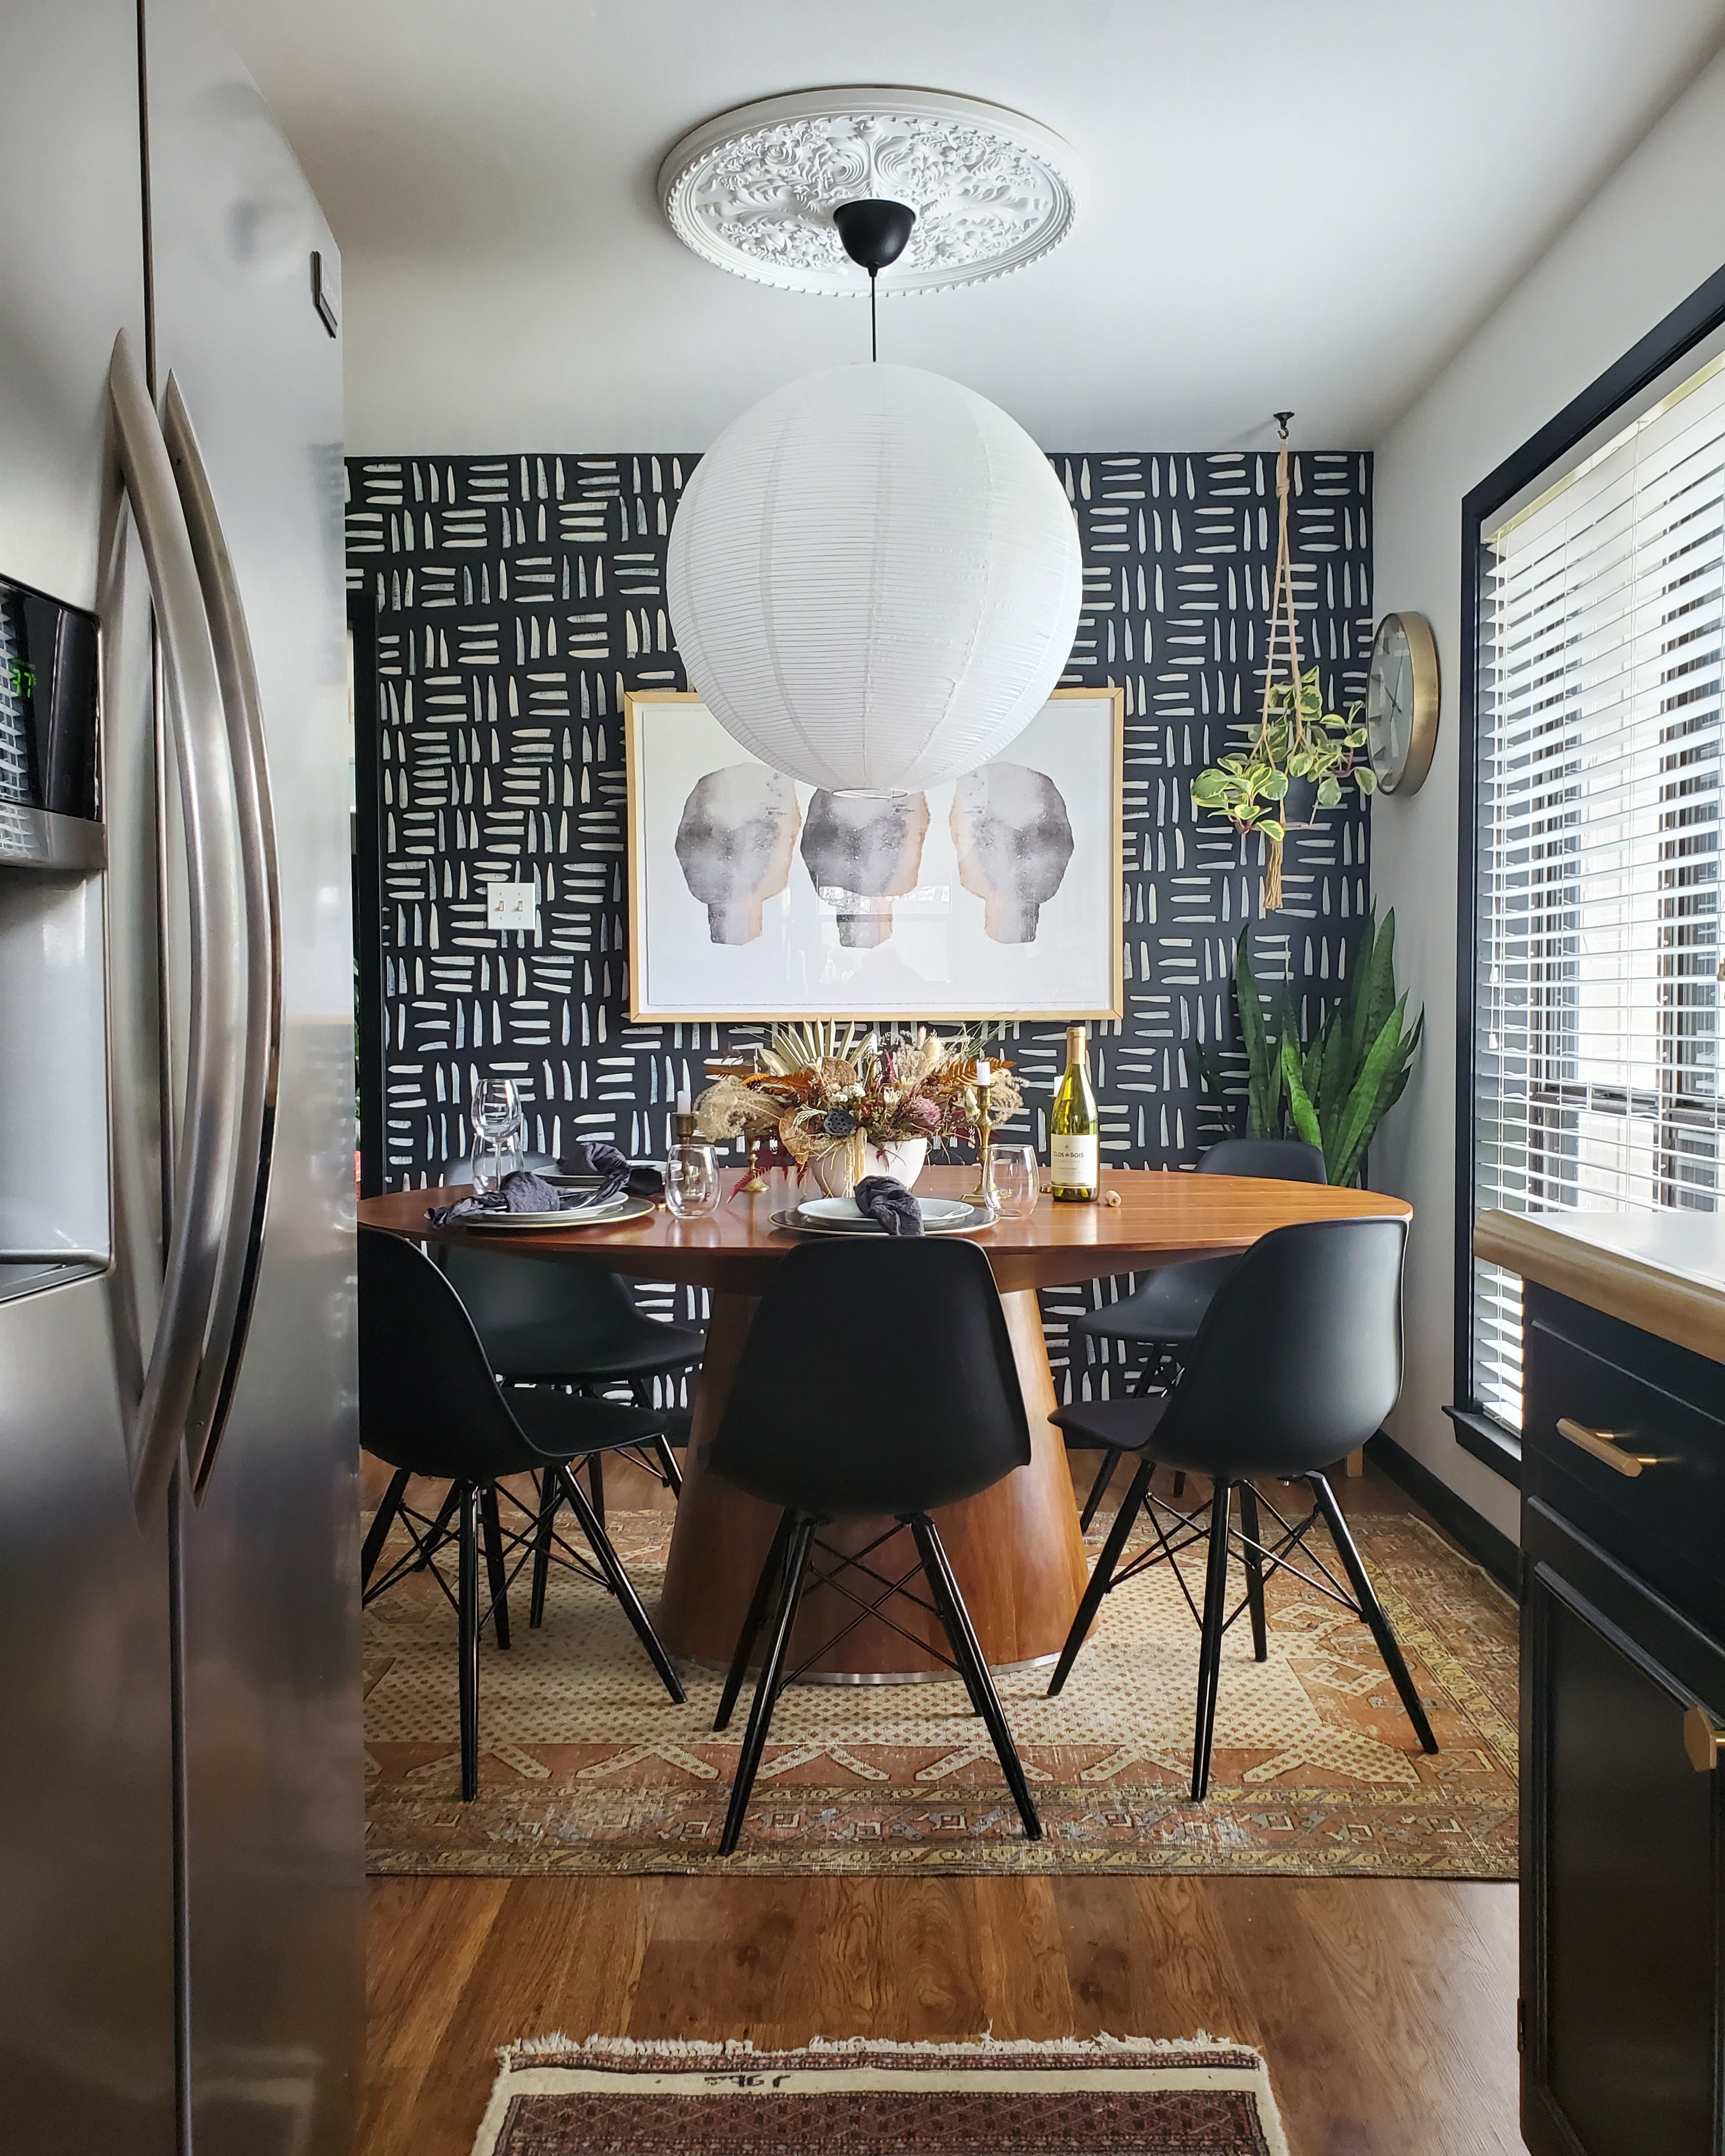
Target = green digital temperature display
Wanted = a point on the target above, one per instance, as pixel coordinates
(48, 704)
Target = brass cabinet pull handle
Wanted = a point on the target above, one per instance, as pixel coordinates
(1603, 1445)
(1703, 1740)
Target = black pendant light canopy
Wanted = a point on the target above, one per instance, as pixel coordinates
(874, 234)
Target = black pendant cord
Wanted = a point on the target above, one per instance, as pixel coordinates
(873, 233)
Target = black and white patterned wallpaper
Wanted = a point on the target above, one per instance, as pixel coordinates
(518, 597)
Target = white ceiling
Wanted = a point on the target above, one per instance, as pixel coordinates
(1301, 203)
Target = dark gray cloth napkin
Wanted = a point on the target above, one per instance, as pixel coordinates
(524, 1192)
(884, 1199)
(615, 1170)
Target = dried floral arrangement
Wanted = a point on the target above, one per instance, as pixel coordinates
(825, 1090)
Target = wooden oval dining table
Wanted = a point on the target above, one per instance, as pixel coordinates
(1016, 1547)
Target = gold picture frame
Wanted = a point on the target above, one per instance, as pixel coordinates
(648, 1007)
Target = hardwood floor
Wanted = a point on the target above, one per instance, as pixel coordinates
(1386, 2008)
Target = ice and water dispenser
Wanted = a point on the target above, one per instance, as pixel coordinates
(54, 1119)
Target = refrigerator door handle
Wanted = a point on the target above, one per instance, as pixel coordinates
(243, 1243)
(203, 1167)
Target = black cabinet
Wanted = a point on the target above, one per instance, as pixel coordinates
(1623, 1677)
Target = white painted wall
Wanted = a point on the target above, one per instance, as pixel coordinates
(1654, 232)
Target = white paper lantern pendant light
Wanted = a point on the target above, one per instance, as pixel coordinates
(873, 576)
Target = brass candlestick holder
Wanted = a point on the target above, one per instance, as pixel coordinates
(983, 1195)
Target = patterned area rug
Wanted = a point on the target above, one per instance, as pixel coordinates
(1107, 2098)
(588, 1767)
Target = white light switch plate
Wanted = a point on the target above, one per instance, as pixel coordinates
(512, 906)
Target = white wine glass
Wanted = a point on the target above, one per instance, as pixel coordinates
(498, 1131)
(692, 1180)
(1014, 1179)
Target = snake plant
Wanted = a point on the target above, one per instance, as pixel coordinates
(1335, 1090)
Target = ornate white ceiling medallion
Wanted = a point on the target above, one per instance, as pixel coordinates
(754, 190)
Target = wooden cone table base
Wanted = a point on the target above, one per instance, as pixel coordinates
(1016, 1548)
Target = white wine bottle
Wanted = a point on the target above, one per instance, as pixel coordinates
(1074, 1132)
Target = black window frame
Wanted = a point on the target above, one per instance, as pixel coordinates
(1688, 324)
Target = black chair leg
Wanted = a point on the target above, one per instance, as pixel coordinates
(600, 1543)
(767, 1690)
(1147, 1375)
(1209, 1652)
(1143, 1381)
(551, 1495)
(1372, 1609)
(596, 1481)
(1103, 1573)
(1250, 1529)
(381, 1522)
(978, 1680)
(1098, 1489)
(439, 1533)
(467, 1636)
(496, 1577)
(754, 1620)
(950, 1619)
(668, 1465)
(1149, 1370)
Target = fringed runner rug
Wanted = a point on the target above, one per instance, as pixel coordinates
(1111, 2097)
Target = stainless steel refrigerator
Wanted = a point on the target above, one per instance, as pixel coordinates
(180, 1784)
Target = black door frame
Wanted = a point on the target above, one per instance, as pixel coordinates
(367, 894)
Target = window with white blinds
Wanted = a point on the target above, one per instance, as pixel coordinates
(1596, 999)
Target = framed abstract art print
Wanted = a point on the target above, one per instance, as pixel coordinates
(751, 895)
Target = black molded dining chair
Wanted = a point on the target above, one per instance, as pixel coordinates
(1163, 1313)
(546, 1323)
(1296, 1361)
(430, 1405)
(877, 1382)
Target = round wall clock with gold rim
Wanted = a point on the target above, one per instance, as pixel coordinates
(1402, 702)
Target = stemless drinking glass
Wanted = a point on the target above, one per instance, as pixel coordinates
(691, 1180)
(1013, 1177)
(499, 1129)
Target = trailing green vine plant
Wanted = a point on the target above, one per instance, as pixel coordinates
(1335, 1090)
(1297, 741)
(1298, 744)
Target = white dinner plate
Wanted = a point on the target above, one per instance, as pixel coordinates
(974, 1217)
(845, 1212)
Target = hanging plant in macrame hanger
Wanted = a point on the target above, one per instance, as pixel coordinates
(1301, 754)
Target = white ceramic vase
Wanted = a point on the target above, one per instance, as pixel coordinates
(903, 1161)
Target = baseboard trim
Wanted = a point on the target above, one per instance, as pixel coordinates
(1487, 1545)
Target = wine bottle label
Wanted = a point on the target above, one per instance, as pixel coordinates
(1072, 1162)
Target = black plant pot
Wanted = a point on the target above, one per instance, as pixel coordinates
(1299, 805)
